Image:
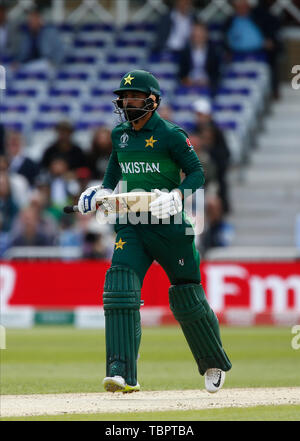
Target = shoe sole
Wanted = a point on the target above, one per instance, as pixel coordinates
(113, 386)
(129, 389)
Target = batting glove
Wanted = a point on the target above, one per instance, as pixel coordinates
(87, 200)
(166, 204)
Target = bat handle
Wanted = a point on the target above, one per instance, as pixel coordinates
(71, 209)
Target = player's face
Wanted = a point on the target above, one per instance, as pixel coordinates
(133, 103)
(133, 99)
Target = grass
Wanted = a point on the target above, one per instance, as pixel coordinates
(257, 413)
(63, 359)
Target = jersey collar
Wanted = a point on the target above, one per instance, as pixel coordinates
(150, 124)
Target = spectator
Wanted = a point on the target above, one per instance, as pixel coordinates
(254, 30)
(208, 164)
(94, 247)
(19, 185)
(70, 235)
(48, 222)
(218, 232)
(61, 186)
(7, 35)
(65, 148)
(97, 240)
(32, 230)
(98, 157)
(8, 211)
(166, 112)
(199, 61)
(215, 145)
(174, 28)
(18, 162)
(39, 41)
(8, 206)
(1, 139)
(41, 198)
(83, 178)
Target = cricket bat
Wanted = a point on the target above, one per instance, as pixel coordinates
(121, 203)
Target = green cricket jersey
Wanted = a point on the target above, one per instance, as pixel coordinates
(153, 157)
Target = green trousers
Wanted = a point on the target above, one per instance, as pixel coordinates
(137, 246)
(173, 247)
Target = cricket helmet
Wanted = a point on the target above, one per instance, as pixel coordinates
(141, 81)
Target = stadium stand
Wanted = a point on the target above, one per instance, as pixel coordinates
(97, 56)
(80, 89)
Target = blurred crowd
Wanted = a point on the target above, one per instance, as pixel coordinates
(247, 29)
(33, 193)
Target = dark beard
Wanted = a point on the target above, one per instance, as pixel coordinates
(134, 113)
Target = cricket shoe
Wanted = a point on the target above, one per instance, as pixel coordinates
(214, 380)
(118, 384)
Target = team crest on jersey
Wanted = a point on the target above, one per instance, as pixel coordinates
(189, 144)
(124, 140)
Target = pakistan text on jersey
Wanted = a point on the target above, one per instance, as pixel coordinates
(140, 167)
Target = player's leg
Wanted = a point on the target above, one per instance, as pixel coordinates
(121, 302)
(178, 256)
(201, 329)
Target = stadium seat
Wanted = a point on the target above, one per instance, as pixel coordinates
(82, 59)
(122, 58)
(257, 57)
(131, 51)
(94, 43)
(96, 27)
(14, 108)
(91, 107)
(59, 109)
(99, 54)
(18, 126)
(69, 89)
(95, 118)
(256, 94)
(135, 42)
(38, 75)
(136, 36)
(140, 26)
(163, 68)
(22, 93)
(68, 75)
(160, 57)
(186, 96)
(13, 115)
(113, 74)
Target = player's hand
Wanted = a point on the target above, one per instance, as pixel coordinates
(166, 204)
(87, 200)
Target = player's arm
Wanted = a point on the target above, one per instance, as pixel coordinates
(183, 153)
(113, 172)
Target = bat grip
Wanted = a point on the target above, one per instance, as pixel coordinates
(71, 209)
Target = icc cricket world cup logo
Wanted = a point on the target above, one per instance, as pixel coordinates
(124, 140)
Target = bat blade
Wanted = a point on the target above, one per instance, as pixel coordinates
(129, 202)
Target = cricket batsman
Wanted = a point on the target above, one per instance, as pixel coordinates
(149, 153)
